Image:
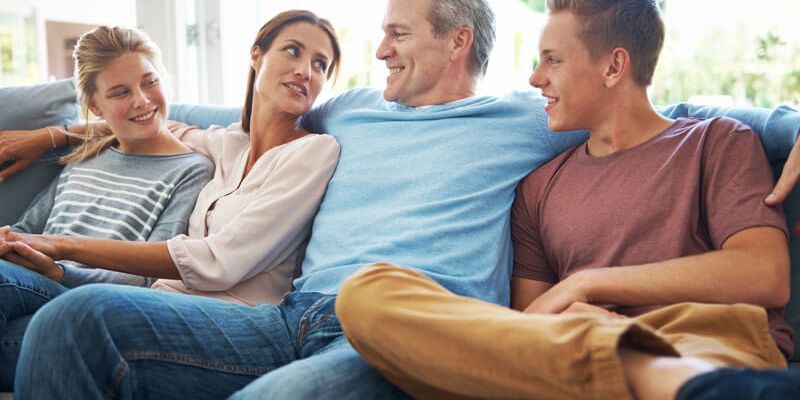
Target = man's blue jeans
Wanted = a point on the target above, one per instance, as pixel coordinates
(22, 292)
(103, 341)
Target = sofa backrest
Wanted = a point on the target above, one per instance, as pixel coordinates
(30, 107)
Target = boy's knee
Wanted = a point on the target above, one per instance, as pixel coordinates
(364, 296)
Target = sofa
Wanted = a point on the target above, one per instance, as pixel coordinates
(28, 107)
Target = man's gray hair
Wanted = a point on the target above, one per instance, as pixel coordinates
(447, 15)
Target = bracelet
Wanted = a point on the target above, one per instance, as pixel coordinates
(52, 137)
(66, 135)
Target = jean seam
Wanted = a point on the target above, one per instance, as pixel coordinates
(305, 326)
(33, 290)
(183, 359)
(116, 379)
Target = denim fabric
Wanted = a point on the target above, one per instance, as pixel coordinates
(103, 341)
(22, 292)
(336, 371)
(742, 384)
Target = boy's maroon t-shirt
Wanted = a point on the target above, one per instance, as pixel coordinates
(681, 193)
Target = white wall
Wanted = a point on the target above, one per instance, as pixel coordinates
(90, 12)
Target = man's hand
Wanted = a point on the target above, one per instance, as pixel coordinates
(787, 181)
(561, 296)
(21, 149)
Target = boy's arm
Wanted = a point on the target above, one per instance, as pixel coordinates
(525, 291)
(751, 267)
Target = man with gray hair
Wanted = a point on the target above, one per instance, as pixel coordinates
(426, 178)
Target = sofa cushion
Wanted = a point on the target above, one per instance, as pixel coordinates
(30, 107)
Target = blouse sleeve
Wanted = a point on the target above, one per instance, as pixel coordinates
(265, 231)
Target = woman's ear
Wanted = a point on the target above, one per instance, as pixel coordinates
(255, 57)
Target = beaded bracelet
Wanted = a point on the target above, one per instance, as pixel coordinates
(52, 137)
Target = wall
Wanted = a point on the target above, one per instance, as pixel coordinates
(85, 12)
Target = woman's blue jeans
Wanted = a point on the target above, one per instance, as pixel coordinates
(22, 292)
(104, 341)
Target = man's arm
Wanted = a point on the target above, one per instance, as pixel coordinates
(751, 267)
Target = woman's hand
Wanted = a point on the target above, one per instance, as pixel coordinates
(46, 244)
(15, 248)
(35, 260)
(22, 148)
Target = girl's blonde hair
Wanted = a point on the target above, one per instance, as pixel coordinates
(93, 52)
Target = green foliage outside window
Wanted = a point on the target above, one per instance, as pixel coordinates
(762, 71)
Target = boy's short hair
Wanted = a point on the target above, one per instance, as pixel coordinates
(634, 25)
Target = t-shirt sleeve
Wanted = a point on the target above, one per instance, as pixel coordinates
(736, 179)
(530, 260)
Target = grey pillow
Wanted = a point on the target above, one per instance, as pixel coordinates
(30, 107)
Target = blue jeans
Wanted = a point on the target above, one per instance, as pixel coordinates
(106, 341)
(22, 292)
(742, 384)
